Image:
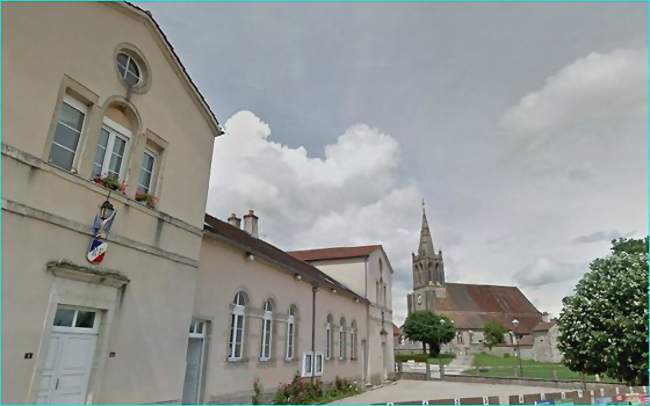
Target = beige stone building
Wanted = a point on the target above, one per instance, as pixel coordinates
(367, 271)
(269, 316)
(116, 287)
(95, 91)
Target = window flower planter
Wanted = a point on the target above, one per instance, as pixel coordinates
(148, 199)
(111, 182)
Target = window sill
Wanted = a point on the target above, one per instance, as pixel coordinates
(236, 360)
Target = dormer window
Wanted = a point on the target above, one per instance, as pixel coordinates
(129, 69)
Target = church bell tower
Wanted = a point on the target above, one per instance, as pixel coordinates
(428, 267)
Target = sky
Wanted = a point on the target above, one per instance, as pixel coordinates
(522, 126)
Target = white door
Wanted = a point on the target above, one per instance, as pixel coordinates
(69, 356)
(194, 362)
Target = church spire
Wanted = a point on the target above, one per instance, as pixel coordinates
(426, 242)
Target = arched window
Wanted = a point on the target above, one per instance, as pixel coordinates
(385, 298)
(381, 299)
(238, 316)
(353, 341)
(342, 346)
(328, 338)
(291, 333)
(267, 320)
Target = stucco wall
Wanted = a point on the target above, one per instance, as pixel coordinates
(224, 270)
(149, 328)
(47, 212)
(349, 271)
(545, 345)
(42, 43)
(362, 274)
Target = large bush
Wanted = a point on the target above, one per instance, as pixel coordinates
(604, 325)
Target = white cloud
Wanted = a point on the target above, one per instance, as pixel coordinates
(598, 87)
(353, 195)
(578, 164)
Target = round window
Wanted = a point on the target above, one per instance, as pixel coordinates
(129, 70)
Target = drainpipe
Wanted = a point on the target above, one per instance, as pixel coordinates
(314, 288)
(367, 355)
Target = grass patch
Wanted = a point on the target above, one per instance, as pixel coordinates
(444, 358)
(495, 366)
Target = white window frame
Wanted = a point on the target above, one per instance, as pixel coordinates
(353, 344)
(267, 323)
(239, 311)
(312, 363)
(115, 130)
(82, 108)
(318, 355)
(342, 349)
(291, 337)
(303, 368)
(152, 182)
(129, 60)
(328, 342)
(197, 328)
(73, 329)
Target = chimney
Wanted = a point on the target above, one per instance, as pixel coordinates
(546, 317)
(250, 223)
(234, 221)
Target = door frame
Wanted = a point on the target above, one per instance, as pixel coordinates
(78, 286)
(76, 331)
(203, 336)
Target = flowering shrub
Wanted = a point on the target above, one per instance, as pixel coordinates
(301, 391)
(111, 182)
(150, 200)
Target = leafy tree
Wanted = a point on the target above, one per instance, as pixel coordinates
(494, 332)
(429, 328)
(604, 325)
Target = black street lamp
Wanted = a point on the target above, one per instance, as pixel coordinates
(515, 323)
(106, 210)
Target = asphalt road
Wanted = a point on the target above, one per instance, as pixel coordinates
(407, 390)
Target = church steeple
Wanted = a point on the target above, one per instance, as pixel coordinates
(426, 242)
(428, 266)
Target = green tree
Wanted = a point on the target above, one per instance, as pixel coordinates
(429, 328)
(494, 332)
(604, 325)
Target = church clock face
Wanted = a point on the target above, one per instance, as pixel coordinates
(419, 299)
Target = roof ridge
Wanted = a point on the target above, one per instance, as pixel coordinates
(318, 274)
(337, 247)
(483, 284)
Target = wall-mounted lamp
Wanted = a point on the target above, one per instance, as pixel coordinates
(298, 277)
(356, 300)
(106, 210)
(333, 290)
(250, 256)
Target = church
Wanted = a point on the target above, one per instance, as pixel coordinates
(470, 306)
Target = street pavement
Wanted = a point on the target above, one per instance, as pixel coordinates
(407, 390)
